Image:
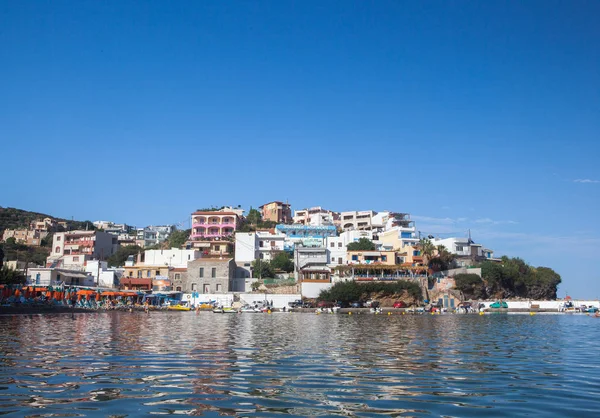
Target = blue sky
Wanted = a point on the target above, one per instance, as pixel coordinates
(468, 115)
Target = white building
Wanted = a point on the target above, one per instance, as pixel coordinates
(337, 247)
(174, 257)
(465, 250)
(101, 275)
(45, 276)
(316, 216)
(72, 250)
(259, 245)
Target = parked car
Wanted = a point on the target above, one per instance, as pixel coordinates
(308, 305)
(325, 304)
(399, 304)
(356, 305)
(375, 304)
(295, 304)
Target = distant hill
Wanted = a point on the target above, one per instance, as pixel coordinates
(12, 218)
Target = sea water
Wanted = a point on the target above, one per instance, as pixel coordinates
(122, 364)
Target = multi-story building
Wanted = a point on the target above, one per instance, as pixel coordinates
(72, 250)
(306, 235)
(210, 225)
(259, 245)
(337, 246)
(153, 235)
(465, 250)
(276, 212)
(210, 276)
(120, 230)
(24, 236)
(311, 264)
(45, 224)
(357, 220)
(316, 216)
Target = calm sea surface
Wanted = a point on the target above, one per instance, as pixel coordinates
(124, 364)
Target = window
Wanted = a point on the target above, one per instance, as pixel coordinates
(261, 243)
(189, 256)
(206, 288)
(339, 245)
(139, 274)
(148, 273)
(75, 259)
(459, 248)
(38, 278)
(354, 257)
(213, 273)
(219, 288)
(130, 273)
(177, 276)
(58, 277)
(339, 260)
(332, 245)
(415, 253)
(58, 238)
(194, 287)
(178, 289)
(384, 258)
(201, 274)
(158, 272)
(57, 250)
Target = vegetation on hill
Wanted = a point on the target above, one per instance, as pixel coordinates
(352, 291)
(118, 259)
(510, 278)
(13, 251)
(178, 238)
(254, 221)
(11, 218)
(363, 244)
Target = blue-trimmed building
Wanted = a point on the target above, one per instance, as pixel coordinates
(307, 231)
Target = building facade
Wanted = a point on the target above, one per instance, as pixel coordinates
(210, 276)
(316, 216)
(352, 220)
(278, 212)
(72, 250)
(207, 225)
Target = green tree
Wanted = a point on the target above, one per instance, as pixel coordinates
(262, 269)
(352, 291)
(427, 250)
(363, 244)
(178, 238)
(118, 259)
(283, 261)
(471, 285)
(8, 276)
(254, 217)
(1, 256)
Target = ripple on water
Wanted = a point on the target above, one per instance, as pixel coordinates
(130, 364)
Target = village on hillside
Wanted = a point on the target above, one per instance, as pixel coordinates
(269, 254)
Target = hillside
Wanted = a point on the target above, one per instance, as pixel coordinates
(12, 218)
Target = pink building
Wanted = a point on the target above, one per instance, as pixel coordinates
(209, 225)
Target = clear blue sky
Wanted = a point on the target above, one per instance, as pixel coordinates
(469, 115)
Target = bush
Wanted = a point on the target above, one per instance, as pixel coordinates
(353, 291)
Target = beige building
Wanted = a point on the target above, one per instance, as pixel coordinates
(278, 212)
(389, 258)
(24, 236)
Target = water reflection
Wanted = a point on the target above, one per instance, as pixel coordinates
(132, 364)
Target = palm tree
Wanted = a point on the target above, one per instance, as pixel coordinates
(427, 250)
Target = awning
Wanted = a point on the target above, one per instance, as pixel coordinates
(73, 275)
(371, 253)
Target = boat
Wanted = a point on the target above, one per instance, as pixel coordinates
(499, 304)
(251, 309)
(179, 307)
(224, 310)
